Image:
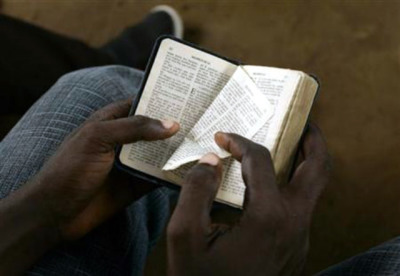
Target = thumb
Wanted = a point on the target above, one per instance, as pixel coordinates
(107, 134)
(192, 213)
(136, 128)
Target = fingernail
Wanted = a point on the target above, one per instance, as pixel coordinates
(210, 159)
(167, 123)
(220, 134)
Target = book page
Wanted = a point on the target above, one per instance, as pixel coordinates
(286, 147)
(279, 86)
(182, 83)
(239, 108)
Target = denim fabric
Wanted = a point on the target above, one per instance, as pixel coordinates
(383, 260)
(121, 245)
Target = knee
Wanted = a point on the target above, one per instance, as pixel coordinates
(109, 83)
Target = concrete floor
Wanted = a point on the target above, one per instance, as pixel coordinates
(354, 48)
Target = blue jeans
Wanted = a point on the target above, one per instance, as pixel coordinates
(118, 247)
(121, 245)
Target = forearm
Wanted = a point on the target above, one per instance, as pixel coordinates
(26, 231)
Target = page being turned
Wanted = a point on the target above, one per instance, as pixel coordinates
(239, 108)
(279, 86)
(182, 83)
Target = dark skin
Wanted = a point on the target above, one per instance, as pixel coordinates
(77, 190)
(272, 235)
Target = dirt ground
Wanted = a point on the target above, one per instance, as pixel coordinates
(354, 49)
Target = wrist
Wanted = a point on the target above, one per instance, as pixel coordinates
(27, 207)
(41, 218)
(27, 231)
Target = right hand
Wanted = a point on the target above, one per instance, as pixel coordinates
(272, 235)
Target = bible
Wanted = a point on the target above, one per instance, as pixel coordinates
(207, 93)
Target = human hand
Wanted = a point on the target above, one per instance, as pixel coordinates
(78, 188)
(272, 235)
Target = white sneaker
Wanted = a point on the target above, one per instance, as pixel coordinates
(175, 17)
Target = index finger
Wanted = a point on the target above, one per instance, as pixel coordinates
(312, 175)
(191, 217)
(257, 168)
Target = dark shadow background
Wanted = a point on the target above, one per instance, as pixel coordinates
(353, 47)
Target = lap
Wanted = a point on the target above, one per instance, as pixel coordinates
(120, 246)
(62, 109)
(382, 260)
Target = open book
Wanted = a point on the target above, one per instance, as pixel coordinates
(206, 93)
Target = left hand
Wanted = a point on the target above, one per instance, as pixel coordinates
(77, 187)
